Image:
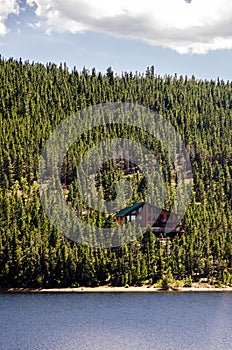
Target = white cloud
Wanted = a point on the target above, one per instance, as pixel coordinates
(195, 27)
(7, 7)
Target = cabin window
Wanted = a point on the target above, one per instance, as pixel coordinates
(131, 216)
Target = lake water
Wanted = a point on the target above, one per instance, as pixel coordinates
(200, 321)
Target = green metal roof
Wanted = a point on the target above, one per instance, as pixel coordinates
(128, 210)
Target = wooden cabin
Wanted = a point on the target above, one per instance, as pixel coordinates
(146, 214)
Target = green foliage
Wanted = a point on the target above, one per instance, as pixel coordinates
(167, 279)
(33, 100)
(188, 282)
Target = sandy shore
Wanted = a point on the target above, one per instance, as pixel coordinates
(108, 289)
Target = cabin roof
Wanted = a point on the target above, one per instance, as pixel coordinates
(135, 206)
(129, 209)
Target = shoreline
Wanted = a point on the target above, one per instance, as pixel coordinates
(109, 289)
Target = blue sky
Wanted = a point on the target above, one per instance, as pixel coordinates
(176, 37)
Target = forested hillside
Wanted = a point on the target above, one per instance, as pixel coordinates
(33, 100)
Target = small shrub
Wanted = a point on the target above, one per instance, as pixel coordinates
(188, 282)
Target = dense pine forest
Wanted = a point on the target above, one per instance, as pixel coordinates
(34, 99)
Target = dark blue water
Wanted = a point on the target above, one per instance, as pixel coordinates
(200, 321)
